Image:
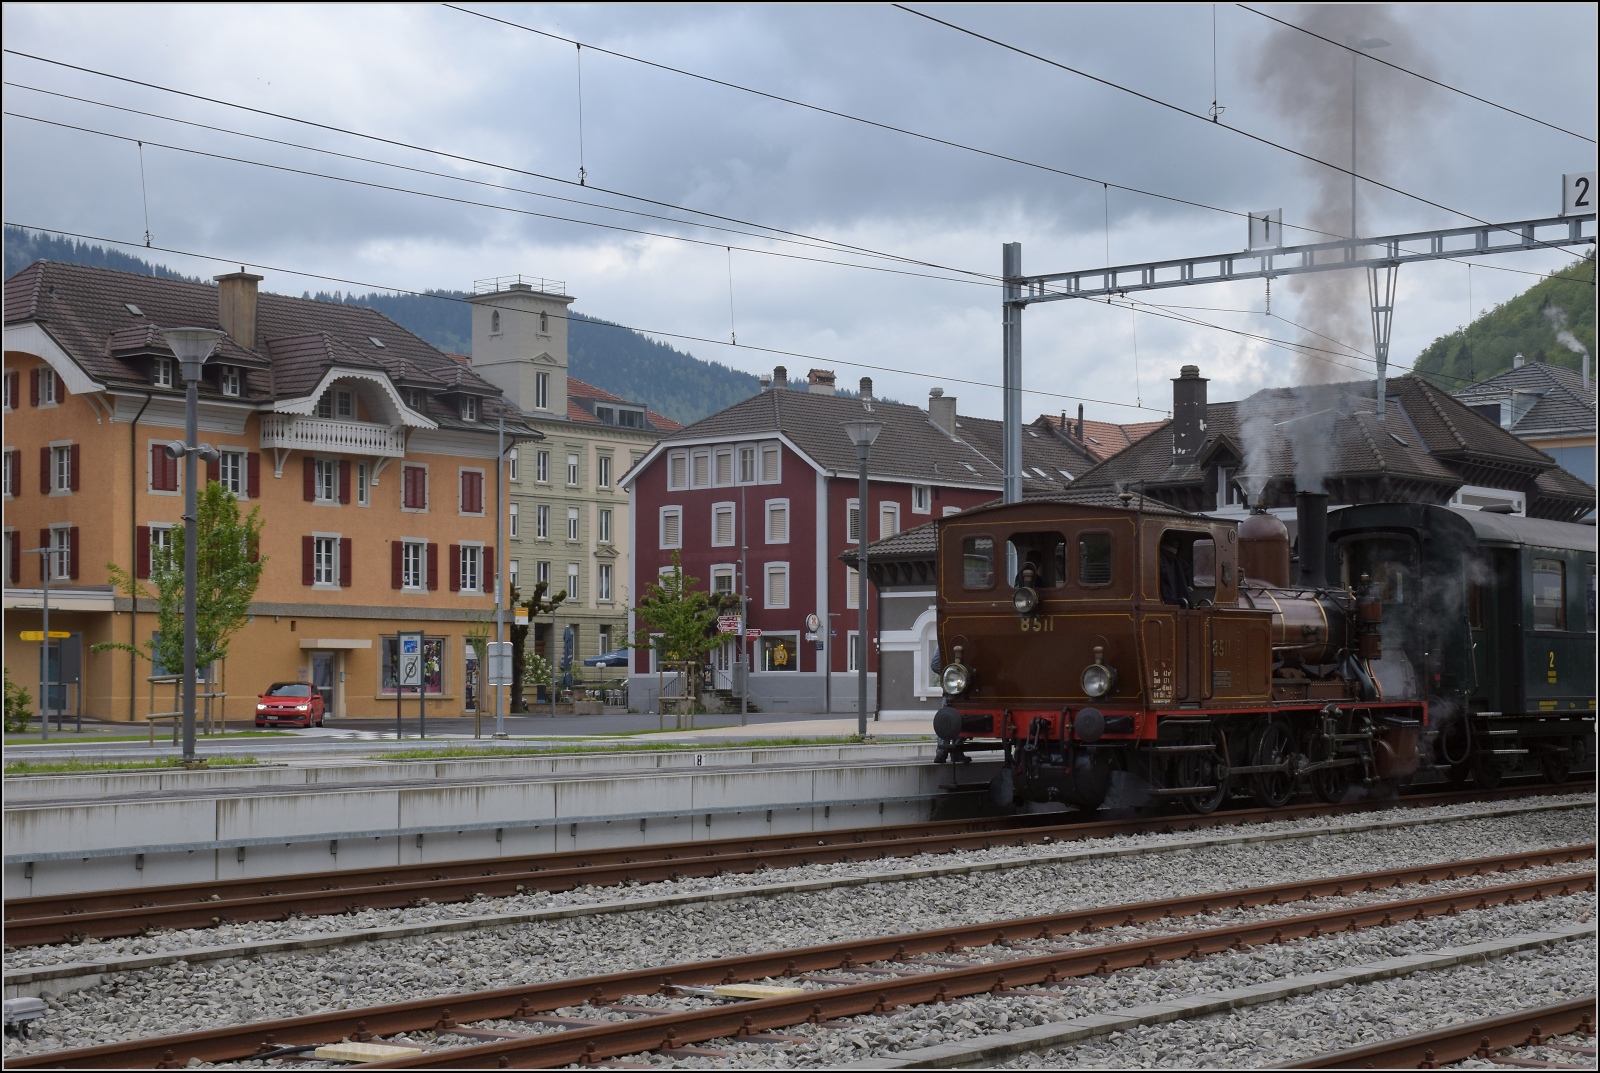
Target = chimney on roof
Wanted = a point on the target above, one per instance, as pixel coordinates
(780, 377)
(236, 306)
(1188, 413)
(866, 389)
(942, 410)
(1080, 422)
(820, 382)
(765, 380)
(1516, 362)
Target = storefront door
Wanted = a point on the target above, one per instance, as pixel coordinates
(324, 679)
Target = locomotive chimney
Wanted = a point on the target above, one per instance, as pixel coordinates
(1311, 518)
(1188, 414)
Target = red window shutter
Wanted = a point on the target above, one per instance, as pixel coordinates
(72, 553)
(253, 475)
(397, 552)
(44, 471)
(158, 470)
(141, 551)
(455, 568)
(255, 549)
(15, 462)
(74, 468)
(214, 469)
(44, 560)
(33, 387)
(433, 567)
(309, 469)
(15, 566)
(61, 391)
(488, 569)
(308, 550)
(347, 573)
(344, 481)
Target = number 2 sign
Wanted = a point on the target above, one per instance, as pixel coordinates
(1577, 193)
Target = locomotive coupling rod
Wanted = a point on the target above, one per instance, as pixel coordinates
(1285, 767)
(1323, 765)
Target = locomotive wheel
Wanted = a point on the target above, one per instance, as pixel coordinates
(1272, 743)
(1203, 769)
(1487, 770)
(1553, 763)
(1329, 784)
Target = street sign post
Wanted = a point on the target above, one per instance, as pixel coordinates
(728, 624)
(410, 658)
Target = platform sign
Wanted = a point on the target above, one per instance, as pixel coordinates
(38, 635)
(1266, 229)
(519, 616)
(1577, 193)
(411, 660)
(499, 662)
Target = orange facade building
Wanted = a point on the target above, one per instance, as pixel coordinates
(372, 455)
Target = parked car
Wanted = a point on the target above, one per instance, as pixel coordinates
(619, 658)
(289, 702)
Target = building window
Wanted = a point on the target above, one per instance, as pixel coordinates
(722, 579)
(161, 375)
(231, 472)
(780, 652)
(432, 665)
(325, 406)
(494, 322)
(603, 635)
(413, 398)
(852, 588)
(771, 464)
(47, 387)
(541, 572)
(511, 465)
(61, 554)
(1549, 594)
(605, 526)
(888, 519)
(541, 522)
(921, 499)
(413, 565)
(230, 381)
(747, 465)
(326, 475)
(544, 323)
(603, 479)
(700, 469)
(852, 524)
(10, 384)
(469, 408)
(541, 467)
(541, 391)
(344, 404)
(325, 560)
(513, 572)
(572, 581)
(671, 527)
(471, 567)
(724, 467)
(677, 470)
(515, 518)
(572, 524)
(853, 650)
(12, 474)
(572, 471)
(471, 491)
(61, 469)
(603, 584)
(414, 491)
(364, 484)
(777, 594)
(722, 525)
(160, 543)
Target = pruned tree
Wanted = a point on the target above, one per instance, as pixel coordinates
(539, 602)
(680, 620)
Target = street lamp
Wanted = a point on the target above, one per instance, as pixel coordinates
(192, 347)
(1357, 47)
(863, 433)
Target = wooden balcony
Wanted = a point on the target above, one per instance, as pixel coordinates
(286, 432)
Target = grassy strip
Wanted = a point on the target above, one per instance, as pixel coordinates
(89, 737)
(469, 752)
(64, 767)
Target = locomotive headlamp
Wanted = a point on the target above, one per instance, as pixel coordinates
(955, 679)
(1025, 599)
(1099, 679)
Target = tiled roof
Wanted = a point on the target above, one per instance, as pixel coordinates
(582, 389)
(910, 448)
(1564, 404)
(1100, 439)
(86, 311)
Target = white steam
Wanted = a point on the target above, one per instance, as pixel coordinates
(1558, 323)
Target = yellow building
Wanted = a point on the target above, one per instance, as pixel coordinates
(372, 455)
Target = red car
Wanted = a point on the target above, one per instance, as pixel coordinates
(289, 702)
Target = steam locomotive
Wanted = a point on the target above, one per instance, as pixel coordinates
(1138, 653)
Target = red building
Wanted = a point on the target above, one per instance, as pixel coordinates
(761, 498)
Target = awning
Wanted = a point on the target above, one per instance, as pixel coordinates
(62, 598)
(334, 642)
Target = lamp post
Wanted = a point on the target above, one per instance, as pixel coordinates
(192, 347)
(863, 433)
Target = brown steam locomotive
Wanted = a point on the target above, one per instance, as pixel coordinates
(1171, 655)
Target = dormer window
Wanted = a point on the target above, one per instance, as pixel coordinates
(494, 322)
(469, 408)
(413, 398)
(161, 375)
(230, 380)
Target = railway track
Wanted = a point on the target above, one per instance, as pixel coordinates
(110, 914)
(1474, 1039)
(863, 976)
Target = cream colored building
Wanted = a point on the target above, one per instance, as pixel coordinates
(569, 520)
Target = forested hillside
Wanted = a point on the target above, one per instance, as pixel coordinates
(1528, 325)
(620, 360)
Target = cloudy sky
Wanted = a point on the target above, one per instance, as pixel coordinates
(428, 81)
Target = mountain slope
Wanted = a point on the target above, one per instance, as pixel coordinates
(1526, 325)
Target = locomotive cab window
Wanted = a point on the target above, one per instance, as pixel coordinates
(1094, 559)
(1385, 562)
(1549, 594)
(1188, 571)
(977, 562)
(1046, 553)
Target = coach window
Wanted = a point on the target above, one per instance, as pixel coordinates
(977, 562)
(1549, 594)
(1045, 552)
(1094, 559)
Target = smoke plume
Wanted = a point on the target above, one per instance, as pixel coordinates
(1309, 83)
(1557, 318)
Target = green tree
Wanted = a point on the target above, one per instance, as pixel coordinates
(228, 570)
(681, 618)
(539, 602)
(17, 700)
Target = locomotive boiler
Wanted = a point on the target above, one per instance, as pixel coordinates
(1175, 655)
